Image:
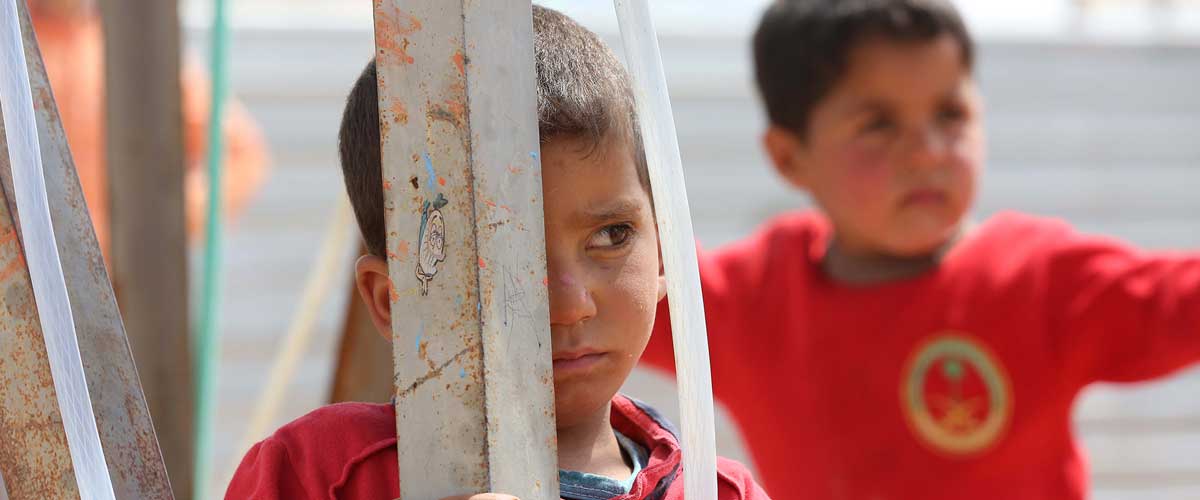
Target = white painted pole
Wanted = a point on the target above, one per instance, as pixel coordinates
(678, 248)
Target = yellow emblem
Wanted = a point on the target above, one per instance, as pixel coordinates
(955, 395)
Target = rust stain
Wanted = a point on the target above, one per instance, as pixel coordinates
(392, 293)
(434, 373)
(482, 264)
(15, 265)
(399, 111)
(438, 112)
(385, 130)
(458, 110)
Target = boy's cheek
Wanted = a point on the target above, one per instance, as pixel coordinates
(862, 176)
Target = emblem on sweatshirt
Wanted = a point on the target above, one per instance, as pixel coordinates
(956, 396)
(431, 241)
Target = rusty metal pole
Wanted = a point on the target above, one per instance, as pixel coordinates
(34, 450)
(463, 211)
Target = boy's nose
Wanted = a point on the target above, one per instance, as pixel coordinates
(927, 147)
(570, 301)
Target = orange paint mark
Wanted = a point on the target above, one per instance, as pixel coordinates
(508, 208)
(459, 62)
(401, 253)
(489, 203)
(392, 293)
(399, 112)
(545, 281)
(387, 29)
(441, 181)
(387, 185)
(482, 264)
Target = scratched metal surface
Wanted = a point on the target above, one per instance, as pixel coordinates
(466, 248)
(126, 432)
(34, 458)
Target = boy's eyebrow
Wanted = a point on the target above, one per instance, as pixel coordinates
(620, 208)
(865, 105)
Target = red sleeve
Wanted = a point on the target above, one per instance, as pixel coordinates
(735, 482)
(741, 288)
(719, 304)
(1123, 314)
(267, 473)
(346, 450)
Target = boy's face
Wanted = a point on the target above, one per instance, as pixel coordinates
(604, 278)
(893, 153)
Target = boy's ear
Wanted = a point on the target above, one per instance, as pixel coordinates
(788, 154)
(374, 286)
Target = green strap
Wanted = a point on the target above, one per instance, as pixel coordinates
(206, 346)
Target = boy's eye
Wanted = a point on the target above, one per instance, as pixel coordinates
(878, 124)
(610, 237)
(951, 114)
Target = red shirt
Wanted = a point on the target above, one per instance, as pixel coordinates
(348, 451)
(957, 383)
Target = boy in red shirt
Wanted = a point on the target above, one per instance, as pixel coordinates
(883, 348)
(603, 278)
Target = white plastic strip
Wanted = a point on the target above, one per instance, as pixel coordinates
(45, 269)
(678, 248)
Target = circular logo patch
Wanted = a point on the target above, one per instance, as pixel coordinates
(955, 395)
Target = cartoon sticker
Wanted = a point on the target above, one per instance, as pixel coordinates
(955, 395)
(431, 241)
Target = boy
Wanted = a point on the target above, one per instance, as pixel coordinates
(882, 348)
(603, 278)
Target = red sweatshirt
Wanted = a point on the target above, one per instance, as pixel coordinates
(957, 383)
(348, 451)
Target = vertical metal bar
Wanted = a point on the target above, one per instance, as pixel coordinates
(126, 432)
(466, 244)
(145, 164)
(678, 248)
(45, 269)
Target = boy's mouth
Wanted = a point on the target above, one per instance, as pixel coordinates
(569, 362)
(924, 197)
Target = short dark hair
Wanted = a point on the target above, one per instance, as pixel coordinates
(802, 47)
(583, 93)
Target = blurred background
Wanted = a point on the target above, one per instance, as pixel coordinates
(1093, 115)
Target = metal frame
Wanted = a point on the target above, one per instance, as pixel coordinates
(458, 118)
